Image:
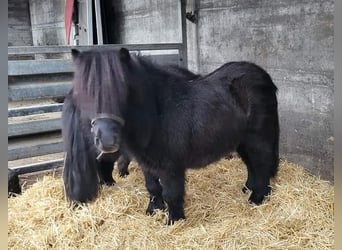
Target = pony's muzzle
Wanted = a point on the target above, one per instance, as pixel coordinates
(106, 129)
(108, 144)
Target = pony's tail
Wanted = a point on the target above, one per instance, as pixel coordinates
(80, 174)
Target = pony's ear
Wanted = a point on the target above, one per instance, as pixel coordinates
(124, 55)
(75, 53)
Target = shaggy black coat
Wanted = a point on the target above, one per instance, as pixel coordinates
(172, 124)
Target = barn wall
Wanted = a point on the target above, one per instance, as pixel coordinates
(145, 21)
(292, 40)
(47, 21)
(19, 24)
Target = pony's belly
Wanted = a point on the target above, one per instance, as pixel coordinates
(202, 158)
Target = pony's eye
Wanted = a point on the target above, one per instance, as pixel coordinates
(92, 123)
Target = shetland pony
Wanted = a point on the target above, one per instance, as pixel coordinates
(169, 123)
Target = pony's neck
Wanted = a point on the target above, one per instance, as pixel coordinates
(158, 76)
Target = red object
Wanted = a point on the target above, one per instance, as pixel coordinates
(69, 7)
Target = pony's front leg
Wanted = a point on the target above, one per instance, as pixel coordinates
(173, 194)
(123, 163)
(154, 188)
(105, 167)
(106, 173)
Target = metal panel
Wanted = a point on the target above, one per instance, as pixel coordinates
(26, 50)
(164, 59)
(33, 110)
(30, 67)
(34, 124)
(98, 22)
(34, 147)
(89, 22)
(38, 91)
(183, 51)
(35, 167)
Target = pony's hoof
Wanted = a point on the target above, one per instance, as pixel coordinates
(155, 203)
(171, 221)
(245, 189)
(258, 197)
(108, 182)
(123, 174)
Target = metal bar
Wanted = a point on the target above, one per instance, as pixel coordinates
(89, 7)
(31, 67)
(184, 49)
(98, 22)
(38, 91)
(34, 127)
(34, 110)
(35, 167)
(165, 59)
(27, 50)
(24, 149)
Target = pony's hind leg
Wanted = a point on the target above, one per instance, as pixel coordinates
(249, 185)
(155, 190)
(262, 163)
(173, 194)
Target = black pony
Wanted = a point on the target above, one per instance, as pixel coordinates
(85, 166)
(168, 123)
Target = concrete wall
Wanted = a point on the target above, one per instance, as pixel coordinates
(146, 21)
(36, 22)
(47, 21)
(19, 24)
(291, 39)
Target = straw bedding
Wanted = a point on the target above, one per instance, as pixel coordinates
(298, 214)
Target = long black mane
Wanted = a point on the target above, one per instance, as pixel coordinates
(101, 80)
(97, 76)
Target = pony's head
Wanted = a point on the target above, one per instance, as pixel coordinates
(100, 91)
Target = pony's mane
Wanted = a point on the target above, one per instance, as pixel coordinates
(99, 79)
(102, 78)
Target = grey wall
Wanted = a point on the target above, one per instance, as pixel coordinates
(146, 21)
(19, 24)
(291, 39)
(47, 21)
